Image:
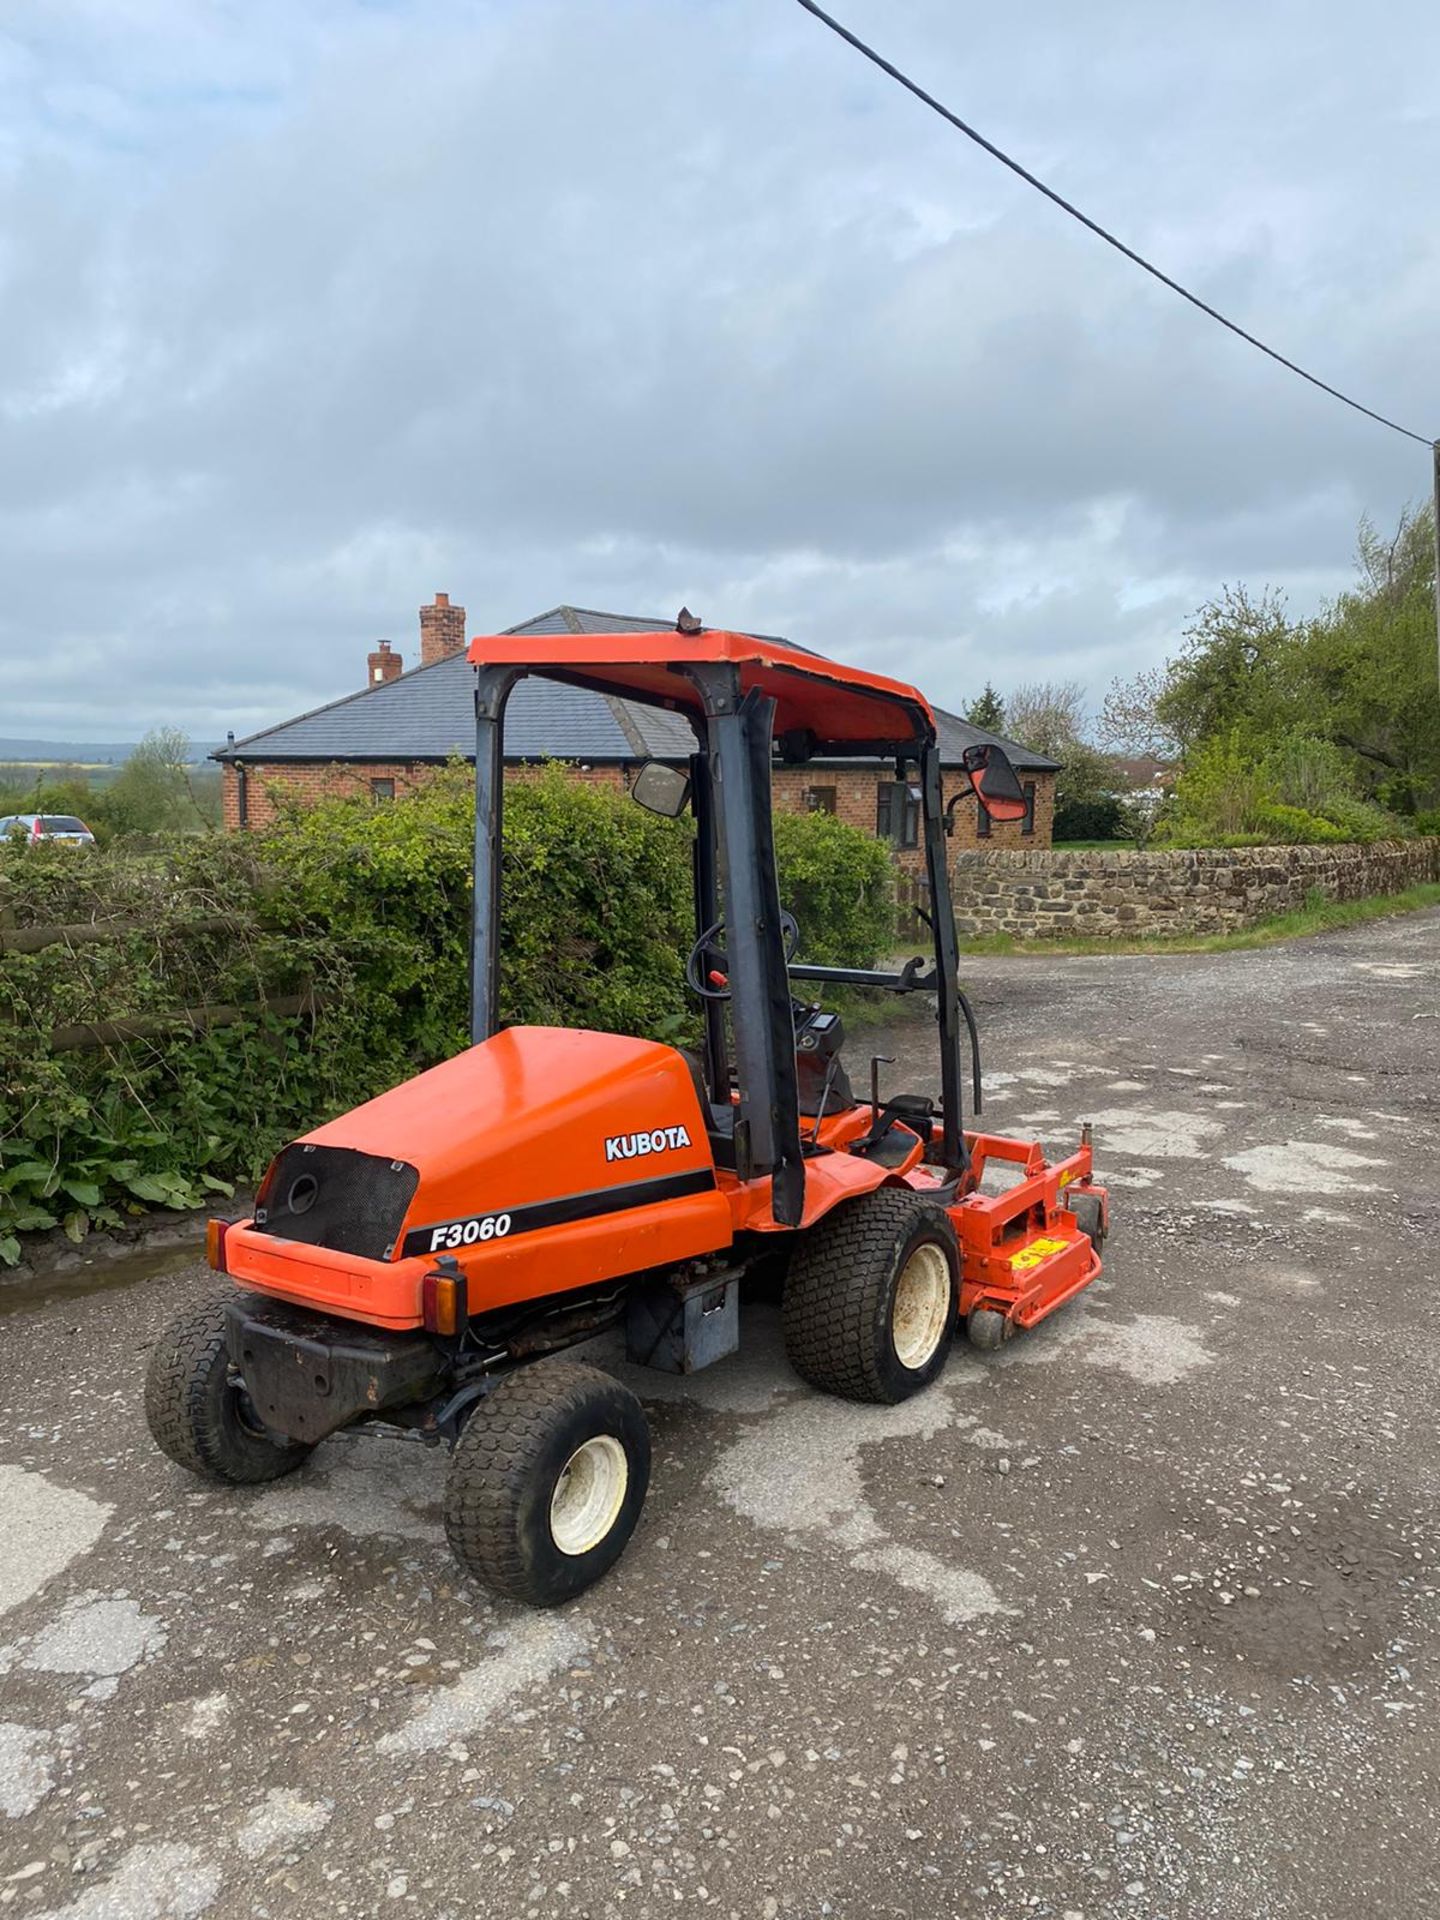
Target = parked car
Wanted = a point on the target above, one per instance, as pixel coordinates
(46, 826)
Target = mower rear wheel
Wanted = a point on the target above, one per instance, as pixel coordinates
(198, 1411)
(870, 1298)
(547, 1481)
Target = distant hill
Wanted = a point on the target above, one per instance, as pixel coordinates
(78, 752)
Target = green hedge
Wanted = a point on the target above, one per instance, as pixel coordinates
(840, 886)
(157, 1118)
(596, 907)
(364, 911)
(1236, 791)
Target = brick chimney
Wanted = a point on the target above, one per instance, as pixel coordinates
(442, 631)
(383, 665)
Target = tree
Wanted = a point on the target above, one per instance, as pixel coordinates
(1390, 568)
(1051, 717)
(1048, 716)
(1233, 671)
(152, 791)
(1322, 729)
(1086, 807)
(1130, 723)
(988, 711)
(1138, 816)
(1365, 670)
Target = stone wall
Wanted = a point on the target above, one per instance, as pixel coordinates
(1122, 894)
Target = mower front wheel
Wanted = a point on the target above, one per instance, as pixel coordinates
(987, 1329)
(871, 1296)
(1089, 1216)
(547, 1481)
(198, 1411)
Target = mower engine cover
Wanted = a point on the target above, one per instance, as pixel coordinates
(541, 1160)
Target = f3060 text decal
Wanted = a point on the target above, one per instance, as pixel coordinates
(466, 1233)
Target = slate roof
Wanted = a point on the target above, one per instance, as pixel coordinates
(427, 714)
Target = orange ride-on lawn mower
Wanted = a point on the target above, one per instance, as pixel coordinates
(423, 1260)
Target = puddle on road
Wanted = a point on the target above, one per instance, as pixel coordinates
(105, 1273)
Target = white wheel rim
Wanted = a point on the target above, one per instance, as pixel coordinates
(920, 1311)
(589, 1494)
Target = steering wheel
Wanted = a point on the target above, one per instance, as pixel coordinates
(708, 949)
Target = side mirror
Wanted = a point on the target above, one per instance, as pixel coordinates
(994, 782)
(661, 789)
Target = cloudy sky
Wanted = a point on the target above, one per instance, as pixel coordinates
(310, 310)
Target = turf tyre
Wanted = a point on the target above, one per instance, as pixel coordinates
(1089, 1217)
(840, 1296)
(506, 1470)
(196, 1409)
(988, 1330)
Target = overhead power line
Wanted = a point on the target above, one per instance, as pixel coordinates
(1110, 239)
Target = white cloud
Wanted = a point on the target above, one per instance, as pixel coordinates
(311, 311)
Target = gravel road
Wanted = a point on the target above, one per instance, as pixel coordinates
(1137, 1617)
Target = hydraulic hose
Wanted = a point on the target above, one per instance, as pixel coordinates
(969, 1015)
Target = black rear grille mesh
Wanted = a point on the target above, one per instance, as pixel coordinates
(335, 1197)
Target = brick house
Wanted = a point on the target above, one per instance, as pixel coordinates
(394, 731)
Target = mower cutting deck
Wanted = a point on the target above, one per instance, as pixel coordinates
(424, 1260)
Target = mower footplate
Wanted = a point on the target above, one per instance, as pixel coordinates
(1026, 1250)
(307, 1375)
(1050, 1268)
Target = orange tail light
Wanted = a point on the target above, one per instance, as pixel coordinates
(443, 1303)
(215, 1232)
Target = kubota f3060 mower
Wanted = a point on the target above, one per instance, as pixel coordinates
(422, 1261)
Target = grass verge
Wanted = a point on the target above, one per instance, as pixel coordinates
(1321, 917)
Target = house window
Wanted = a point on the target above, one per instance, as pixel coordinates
(820, 799)
(982, 822)
(897, 813)
(382, 789)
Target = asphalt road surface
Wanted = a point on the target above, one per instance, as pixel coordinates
(1136, 1617)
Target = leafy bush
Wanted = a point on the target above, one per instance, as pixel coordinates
(1364, 820)
(1143, 815)
(1300, 771)
(1278, 825)
(1216, 794)
(595, 907)
(1099, 817)
(840, 885)
(1342, 703)
(362, 912)
(158, 1115)
(1295, 791)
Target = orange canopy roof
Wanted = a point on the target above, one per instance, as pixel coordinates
(837, 705)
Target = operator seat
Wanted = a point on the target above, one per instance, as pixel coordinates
(812, 1070)
(719, 1114)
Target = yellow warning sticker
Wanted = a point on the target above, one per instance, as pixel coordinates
(1037, 1251)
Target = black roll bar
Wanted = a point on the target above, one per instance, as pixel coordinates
(947, 960)
(732, 784)
(738, 745)
(492, 690)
